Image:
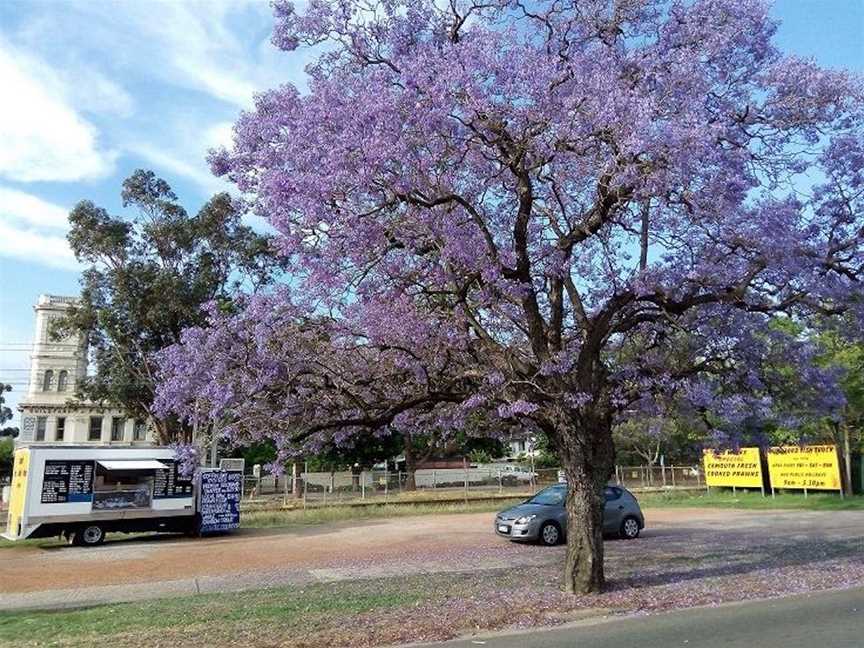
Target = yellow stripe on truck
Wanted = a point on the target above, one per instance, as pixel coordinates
(18, 495)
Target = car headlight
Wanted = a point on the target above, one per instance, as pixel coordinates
(525, 519)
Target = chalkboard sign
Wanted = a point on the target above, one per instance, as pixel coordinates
(67, 481)
(170, 483)
(219, 500)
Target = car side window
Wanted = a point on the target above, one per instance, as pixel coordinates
(612, 493)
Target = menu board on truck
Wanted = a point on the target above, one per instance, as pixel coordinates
(219, 500)
(67, 481)
(170, 483)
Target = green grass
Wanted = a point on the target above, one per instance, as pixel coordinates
(281, 611)
(753, 500)
(279, 518)
(23, 544)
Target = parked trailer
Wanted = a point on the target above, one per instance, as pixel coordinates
(84, 492)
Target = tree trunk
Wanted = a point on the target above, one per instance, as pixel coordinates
(847, 458)
(295, 481)
(588, 456)
(583, 571)
(410, 464)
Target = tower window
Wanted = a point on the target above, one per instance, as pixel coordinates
(48, 380)
(41, 423)
(61, 428)
(95, 431)
(62, 380)
(139, 433)
(117, 425)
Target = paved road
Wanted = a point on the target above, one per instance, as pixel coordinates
(830, 620)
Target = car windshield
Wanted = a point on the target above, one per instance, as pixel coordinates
(552, 496)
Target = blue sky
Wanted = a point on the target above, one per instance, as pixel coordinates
(95, 89)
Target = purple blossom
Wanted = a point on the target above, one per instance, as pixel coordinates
(463, 205)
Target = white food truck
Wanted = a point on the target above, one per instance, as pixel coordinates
(84, 492)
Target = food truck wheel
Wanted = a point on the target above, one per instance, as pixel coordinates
(89, 536)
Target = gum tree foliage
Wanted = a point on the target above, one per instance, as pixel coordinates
(511, 211)
(5, 411)
(147, 280)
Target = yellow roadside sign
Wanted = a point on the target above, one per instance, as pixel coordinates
(812, 467)
(742, 468)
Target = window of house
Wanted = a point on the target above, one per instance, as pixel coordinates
(95, 431)
(139, 433)
(41, 424)
(48, 380)
(61, 428)
(117, 425)
(62, 380)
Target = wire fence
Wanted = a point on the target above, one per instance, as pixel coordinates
(473, 482)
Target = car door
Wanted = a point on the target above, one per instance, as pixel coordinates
(613, 512)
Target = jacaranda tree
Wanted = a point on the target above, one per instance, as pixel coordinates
(538, 213)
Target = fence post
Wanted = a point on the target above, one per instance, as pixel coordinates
(617, 474)
(672, 468)
(363, 484)
(698, 478)
(500, 483)
(305, 482)
(465, 465)
(434, 480)
(386, 483)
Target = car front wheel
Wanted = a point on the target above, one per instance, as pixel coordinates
(629, 528)
(550, 534)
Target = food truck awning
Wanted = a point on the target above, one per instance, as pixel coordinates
(133, 464)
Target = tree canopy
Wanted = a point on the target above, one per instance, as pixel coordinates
(512, 213)
(5, 412)
(148, 279)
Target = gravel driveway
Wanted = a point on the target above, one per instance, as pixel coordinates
(698, 554)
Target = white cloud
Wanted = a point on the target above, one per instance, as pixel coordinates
(20, 206)
(221, 134)
(43, 137)
(209, 47)
(192, 167)
(36, 247)
(33, 230)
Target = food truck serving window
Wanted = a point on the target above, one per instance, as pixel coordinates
(144, 464)
(125, 484)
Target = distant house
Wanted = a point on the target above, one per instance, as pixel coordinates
(49, 413)
(521, 445)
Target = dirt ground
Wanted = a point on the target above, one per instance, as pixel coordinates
(375, 548)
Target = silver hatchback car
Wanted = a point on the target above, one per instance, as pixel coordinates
(543, 518)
